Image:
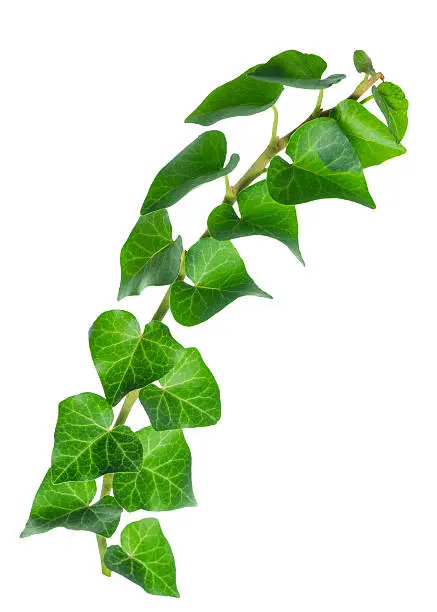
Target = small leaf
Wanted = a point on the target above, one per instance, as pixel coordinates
(202, 161)
(164, 481)
(363, 63)
(370, 138)
(241, 97)
(394, 106)
(145, 557)
(325, 165)
(189, 396)
(68, 505)
(125, 358)
(296, 69)
(149, 256)
(219, 276)
(85, 446)
(260, 215)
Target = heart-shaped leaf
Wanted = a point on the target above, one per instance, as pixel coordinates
(325, 165)
(85, 445)
(260, 215)
(145, 557)
(296, 69)
(188, 397)
(370, 138)
(125, 358)
(363, 63)
(68, 505)
(202, 161)
(394, 106)
(149, 256)
(219, 276)
(240, 97)
(164, 481)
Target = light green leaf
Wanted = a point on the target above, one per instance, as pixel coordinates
(260, 215)
(325, 165)
(127, 359)
(149, 256)
(370, 138)
(188, 397)
(145, 557)
(394, 106)
(68, 505)
(202, 161)
(164, 481)
(85, 446)
(296, 69)
(219, 276)
(241, 97)
(363, 63)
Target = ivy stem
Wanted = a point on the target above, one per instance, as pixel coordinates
(274, 137)
(366, 100)
(365, 85)
(318, 105)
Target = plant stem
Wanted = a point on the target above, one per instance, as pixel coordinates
(318, 106)
(365, 85)
(366, 100)
(274, 137)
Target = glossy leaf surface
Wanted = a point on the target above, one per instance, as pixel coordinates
(200, 162)
(394, 106)
(363, 63)
(219, 276)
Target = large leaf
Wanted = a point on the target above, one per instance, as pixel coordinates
(370, 138)
(164, 481)
(149, 256)
(188, 397)
(85, 445)
(296, 69)
(144, 557)
(325, 165)
(260, 215)
(68, 505)
(241, 96)
(363, 63)
(202, 161)
(127, 359)
(394, 106)
(219, 276)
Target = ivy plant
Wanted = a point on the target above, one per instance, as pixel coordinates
(150, 469)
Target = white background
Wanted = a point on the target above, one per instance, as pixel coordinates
(317, 490)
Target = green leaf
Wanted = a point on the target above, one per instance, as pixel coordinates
(296, 69)
(145, 557)
(325, 165)
(188, 397)
(125, 358)
(260, 215)
(202, 161)
(241, 97)
(68, 505)
(394, 106)
(219, 276)
(85, 446)
(149, 256)
(363, 63)
(164, 481)
(370, 138)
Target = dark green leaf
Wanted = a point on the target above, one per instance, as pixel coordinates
(85, 446)
(149, 256)
(188, 397)
(242, 96)
(370, 138)
(164, 481)
(68, 505)
(127, 359)
(394, 106)
(260, 215)
(145, 557)
(295, 69)
(202, 161)
(325, 165)
(363, 63)
(219, 276)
